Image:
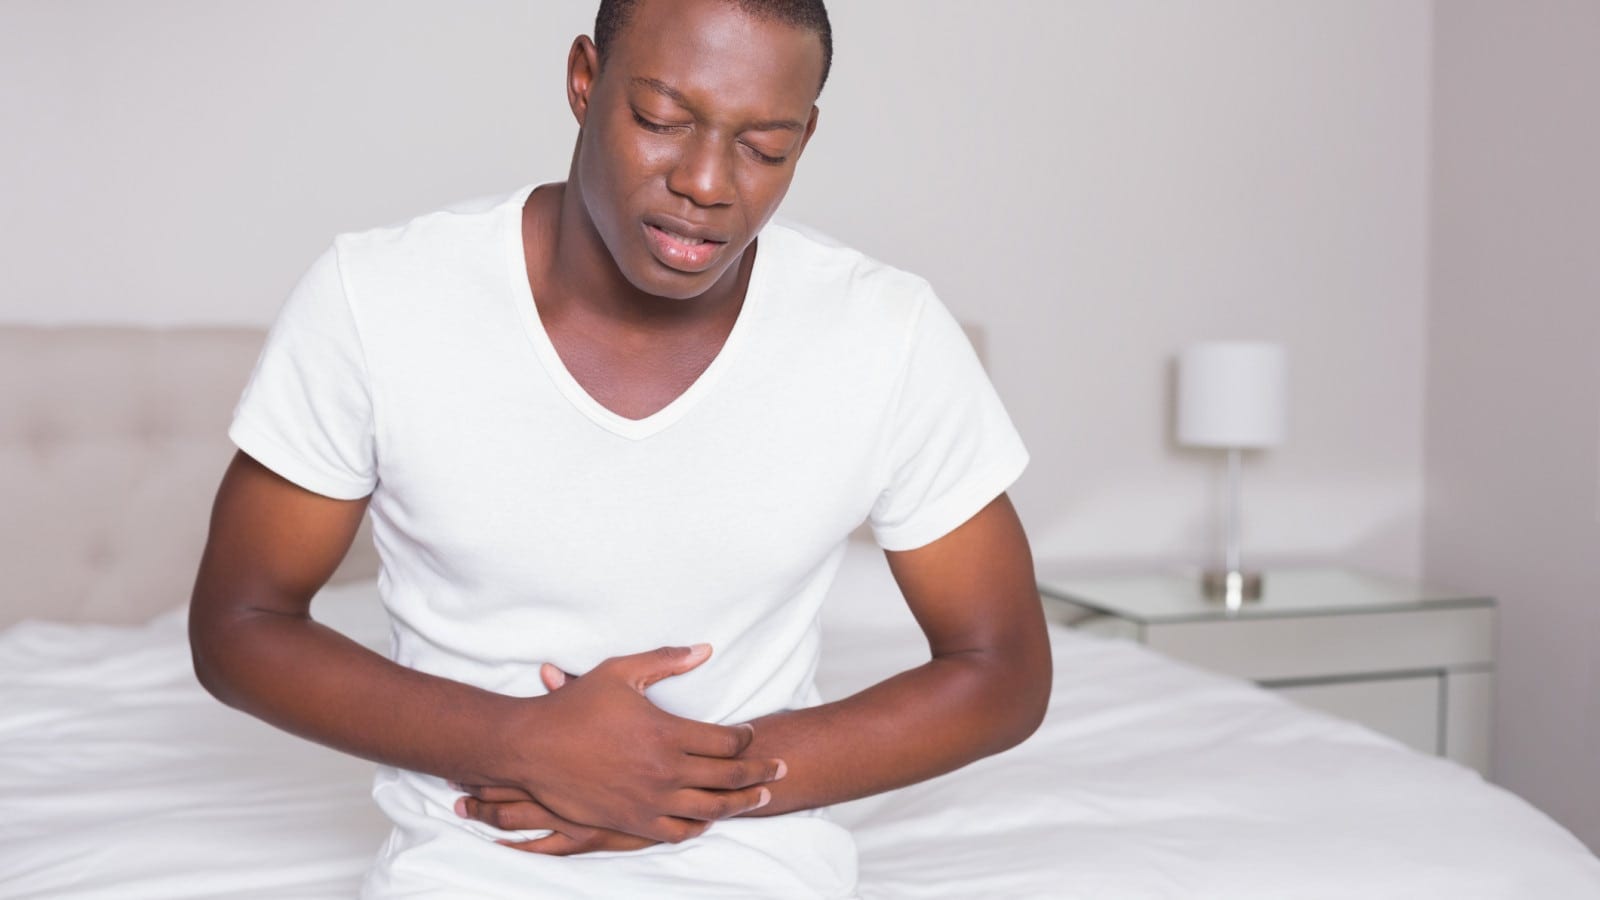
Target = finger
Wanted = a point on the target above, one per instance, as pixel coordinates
(561, 845)
(516, 816)
(709, 773)
(709, 806)
(676, 830)
(495, 793)
(553, 844)
(706, 739)
(644, 669)
(583, 839)
(553, 677)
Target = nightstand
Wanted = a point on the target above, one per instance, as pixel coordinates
(1404, 659)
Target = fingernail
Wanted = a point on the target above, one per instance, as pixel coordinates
(461, 807)
(699, 649)
(763, 798)
(783, 769)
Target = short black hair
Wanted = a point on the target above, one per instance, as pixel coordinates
(811, 15)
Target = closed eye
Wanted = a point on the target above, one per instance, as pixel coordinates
(762, 157)
(663, 128)
(657, 127)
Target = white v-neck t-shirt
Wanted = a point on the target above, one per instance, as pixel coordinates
(518, 521)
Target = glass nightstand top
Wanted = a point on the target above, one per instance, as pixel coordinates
(1176, 597)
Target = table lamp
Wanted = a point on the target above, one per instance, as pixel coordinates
(1232, 395)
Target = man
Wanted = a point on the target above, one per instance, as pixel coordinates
(620, 414)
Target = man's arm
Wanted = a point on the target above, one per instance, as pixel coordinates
(603, 753)
(984, 690)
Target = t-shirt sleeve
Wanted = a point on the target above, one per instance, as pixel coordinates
(306, 412)
(951, 446)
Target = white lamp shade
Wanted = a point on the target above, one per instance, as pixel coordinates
(1232, 394)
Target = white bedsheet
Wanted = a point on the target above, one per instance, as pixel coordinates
(121, 778)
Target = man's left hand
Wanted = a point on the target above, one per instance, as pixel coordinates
(513, 809)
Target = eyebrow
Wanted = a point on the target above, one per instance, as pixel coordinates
(673, 94)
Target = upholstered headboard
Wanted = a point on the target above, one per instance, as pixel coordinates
(112, 443)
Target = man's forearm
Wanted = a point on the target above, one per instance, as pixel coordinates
(985, 689)
(918, 724)
(310, 680)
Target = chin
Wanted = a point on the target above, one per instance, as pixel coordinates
(652, 277)
(662, 283)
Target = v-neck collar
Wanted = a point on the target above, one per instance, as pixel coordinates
(521, 294)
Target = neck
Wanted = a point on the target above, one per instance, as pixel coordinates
(575, 276)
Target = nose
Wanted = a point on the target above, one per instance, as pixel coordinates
(704, 174)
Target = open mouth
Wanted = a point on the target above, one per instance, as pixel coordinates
(684, 239)
(681, 251)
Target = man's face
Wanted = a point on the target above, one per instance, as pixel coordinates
(690, 137)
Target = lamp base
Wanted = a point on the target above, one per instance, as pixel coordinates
(1233, 587)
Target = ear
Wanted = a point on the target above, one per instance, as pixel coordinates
(583, 69)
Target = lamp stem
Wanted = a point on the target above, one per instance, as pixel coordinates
(1233, 511)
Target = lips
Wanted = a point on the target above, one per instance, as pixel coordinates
(683, 245)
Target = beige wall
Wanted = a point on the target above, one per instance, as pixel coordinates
(1097, 182)
(1513, 428)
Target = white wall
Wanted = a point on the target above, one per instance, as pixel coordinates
(1101, 183)
(182, 161)
(1513, 436)
(1097, 182)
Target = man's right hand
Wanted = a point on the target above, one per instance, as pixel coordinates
(599, 753)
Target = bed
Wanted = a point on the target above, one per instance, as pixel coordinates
(120, 777)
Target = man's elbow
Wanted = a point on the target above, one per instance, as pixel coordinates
(201, 656)
(208, 651)
(1036, 700)
(1024, 682)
